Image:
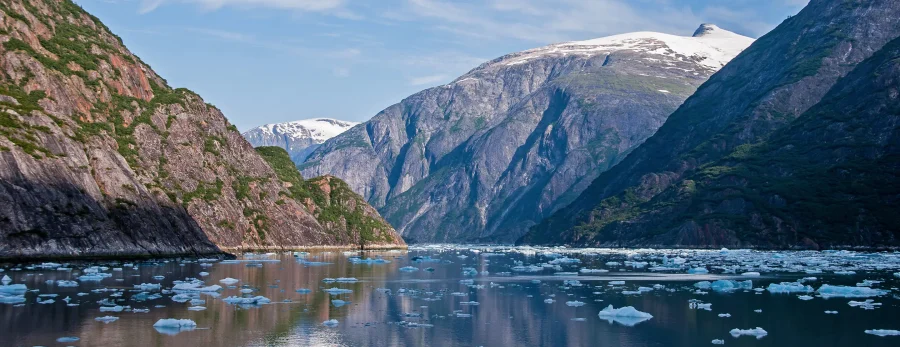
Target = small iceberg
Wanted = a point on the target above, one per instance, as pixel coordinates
(627, 316)
(757, 332)
(228, 281)
(829, 291)
(106, 319)
(788, 288)
(883, 332)
(331, 323)
(170, 326)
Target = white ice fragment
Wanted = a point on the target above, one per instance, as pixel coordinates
(718, 342)
(789, 287)
(106, 319)
(331, 323)
(883, 332)
(228, 281)
(627, 316)
(757, 332)
(830, 291)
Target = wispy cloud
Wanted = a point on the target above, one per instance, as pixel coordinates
(423, 80)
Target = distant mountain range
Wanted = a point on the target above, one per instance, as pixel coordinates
(492, 153)
(298, 138)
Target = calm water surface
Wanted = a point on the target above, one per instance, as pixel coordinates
(391, 307)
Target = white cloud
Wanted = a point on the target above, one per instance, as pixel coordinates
(423, 80)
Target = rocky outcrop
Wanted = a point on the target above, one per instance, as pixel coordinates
(299, 138)
(100, 157)
(485, 157)
(343, 213)
(792, 144)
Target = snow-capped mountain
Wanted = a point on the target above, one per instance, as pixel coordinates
(299, 138)
(483, 158)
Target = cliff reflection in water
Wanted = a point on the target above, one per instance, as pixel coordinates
(426, 306)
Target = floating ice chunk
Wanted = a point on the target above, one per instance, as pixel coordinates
(698, 271)
(883, 332)
(718, 342)
(751, 273)
(228, 281)
(147, 286)
(845, 273)
(789, 287)
(469, 271)
(724, 315)
(549, 301)
(616, 283)
(196, 287)
(831, 312)
(757, 332)
(338, 303)
(254, 301)
(170, 326)
(409, 269)
(116, 308)
(106, 319)
(304, 291)
(368, 261)
(463, 315)
(591, 271)
(575, 303)
(829, 291)
(246, 291)
(627, 316)
(346, 280)
(204, 274)
(68, 339)
(469, 303)
(869, 304)
(725, 285)
(331, 323)
(196, 308)
(805, 297)
(529, 268)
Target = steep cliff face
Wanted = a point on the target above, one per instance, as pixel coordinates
(343, 213)
(99, 156)
(490, 154)
(299, 138)
(735, 166)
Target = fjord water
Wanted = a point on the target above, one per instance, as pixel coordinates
(511, 310)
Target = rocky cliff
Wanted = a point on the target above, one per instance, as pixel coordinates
(342, 213)
(792, 144)
(100, 157)
(299, 138)
(485, 157)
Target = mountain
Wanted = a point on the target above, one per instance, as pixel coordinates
(792, 144)
(299, 138)
(490, 154)
(100, 157)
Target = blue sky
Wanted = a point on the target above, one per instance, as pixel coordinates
(267, 61)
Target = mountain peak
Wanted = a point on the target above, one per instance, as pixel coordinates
(706, 29)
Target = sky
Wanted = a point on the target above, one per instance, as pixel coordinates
(270, 61)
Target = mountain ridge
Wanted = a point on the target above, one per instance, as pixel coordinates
(485, 156)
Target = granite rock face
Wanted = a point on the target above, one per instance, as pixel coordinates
(792, 144)
(490, 154)
(299, 138)
(100, 157)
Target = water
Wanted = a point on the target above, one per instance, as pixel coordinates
(511, 309)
